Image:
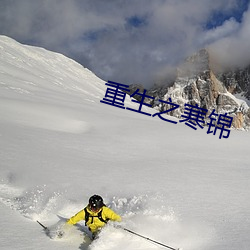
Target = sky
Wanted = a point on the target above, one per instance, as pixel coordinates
(132, 41)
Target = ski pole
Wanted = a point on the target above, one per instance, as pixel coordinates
(146, 238)
(45, 228)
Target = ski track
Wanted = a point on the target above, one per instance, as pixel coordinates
(138, 214)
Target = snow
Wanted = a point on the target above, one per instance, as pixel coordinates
(59, 145)
(243, 106)
(243, 100)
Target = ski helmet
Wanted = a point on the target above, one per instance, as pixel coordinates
(95, 202)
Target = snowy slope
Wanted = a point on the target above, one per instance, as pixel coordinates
(59, 145)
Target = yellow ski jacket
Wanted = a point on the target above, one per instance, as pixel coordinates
(94, 223)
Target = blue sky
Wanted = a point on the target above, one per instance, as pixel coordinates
(218, 17)
(131, 41)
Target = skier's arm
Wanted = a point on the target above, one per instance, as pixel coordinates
(77, 217)
(110, 214)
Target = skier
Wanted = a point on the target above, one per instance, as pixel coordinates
(95, 214)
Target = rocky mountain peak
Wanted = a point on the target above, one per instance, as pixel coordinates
(197, 84)
(194, 65)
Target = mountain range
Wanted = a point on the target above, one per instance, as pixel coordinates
(199, 82)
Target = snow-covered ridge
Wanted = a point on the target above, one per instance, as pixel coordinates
(23, 67)
(38, 76)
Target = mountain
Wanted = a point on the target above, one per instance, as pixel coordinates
(237, 81)
(60, 145)
(197, 83)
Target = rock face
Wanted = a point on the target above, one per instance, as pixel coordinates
(197, 84)
(237, 81)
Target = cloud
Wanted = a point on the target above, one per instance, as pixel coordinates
(232, 50)
(228, 28)
(130, 41)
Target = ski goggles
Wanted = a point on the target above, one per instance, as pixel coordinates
(94, 208)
